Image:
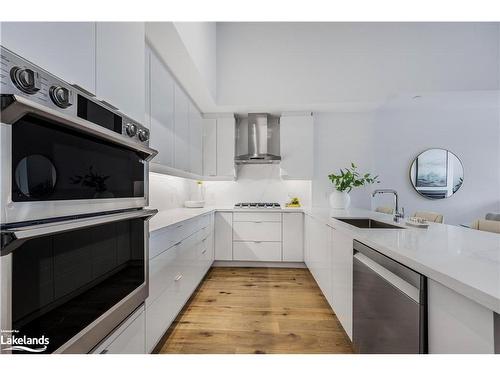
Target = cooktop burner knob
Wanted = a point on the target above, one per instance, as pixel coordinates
(131, 130)
(25, 79)
(143, 135)
(61, 96)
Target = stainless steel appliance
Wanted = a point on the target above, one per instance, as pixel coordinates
(257, 205)
(72, 281)
(62, 151)
(257, 139)
(389, 305)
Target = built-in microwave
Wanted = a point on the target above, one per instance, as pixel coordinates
(63, 152)
(66, 285)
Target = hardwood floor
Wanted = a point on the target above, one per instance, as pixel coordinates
(257, 310)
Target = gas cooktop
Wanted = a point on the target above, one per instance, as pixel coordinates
(257, 205)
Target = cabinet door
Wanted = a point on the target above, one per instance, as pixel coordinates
(195, 140)
(342, 278)
(120, 66)
(293, 237)
(65, 49)
(181, 126)
(162, 112)
(210, 147)
(223, 236)
(296, 144)
(225, 146)
(129, 337)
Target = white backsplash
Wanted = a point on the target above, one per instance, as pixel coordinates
(255, 183)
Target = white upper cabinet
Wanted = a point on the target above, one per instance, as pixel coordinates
(209, 147)
(181, 141)
(195, 140)
(120, 66)
(65, 49)
(225, 146)
(296, 144)
(161, 111)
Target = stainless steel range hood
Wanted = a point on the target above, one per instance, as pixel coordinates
(257, 139)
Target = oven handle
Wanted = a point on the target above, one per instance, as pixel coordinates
(21, 106)
(12, 238)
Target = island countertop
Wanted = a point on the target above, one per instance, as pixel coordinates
(463, 259)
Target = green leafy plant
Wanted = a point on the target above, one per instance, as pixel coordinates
(350, 178)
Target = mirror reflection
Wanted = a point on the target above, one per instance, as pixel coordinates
(437, 173)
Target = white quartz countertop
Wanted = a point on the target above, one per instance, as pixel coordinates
(463, 259)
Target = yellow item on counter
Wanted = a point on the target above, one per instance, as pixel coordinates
(294, 203)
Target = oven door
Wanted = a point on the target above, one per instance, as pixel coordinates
(67, 285)
(55, 165)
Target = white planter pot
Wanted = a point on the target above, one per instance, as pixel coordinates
(339, 200)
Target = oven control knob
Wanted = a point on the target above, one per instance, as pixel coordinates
(131, 130)
(25, 79)
(61, 96)
(143, 135)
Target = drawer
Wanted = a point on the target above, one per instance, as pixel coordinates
(256, 231)
(257, 251)
(257, 216)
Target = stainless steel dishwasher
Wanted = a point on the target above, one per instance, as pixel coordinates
(389, 305)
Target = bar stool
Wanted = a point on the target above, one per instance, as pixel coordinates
(486, 225)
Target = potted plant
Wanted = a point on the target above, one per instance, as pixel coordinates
(344, 182)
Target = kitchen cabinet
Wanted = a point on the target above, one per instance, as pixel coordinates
(119, 62)
(225, 146)
(318, 255)
(128, 338)
(456, 324)
(180, 255)
(293, 237)
(342, 263)
(65, 49)
(296, 144)
(195, 140)
(161, 111)
(223, 236)
(181, 127)
(209, 147)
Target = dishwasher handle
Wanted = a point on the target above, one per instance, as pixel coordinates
(396, 281)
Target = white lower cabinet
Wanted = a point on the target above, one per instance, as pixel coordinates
(293, 237)
(257, 251)
(223, 236)
(342, 263)
(128, 338)
(175, 271)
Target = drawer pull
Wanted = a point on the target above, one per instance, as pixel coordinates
(177, 243)
(257, 222)
(179, 226)
(257, 241)
(105, 351)
(178, 277)
(203, 240)
(204, 251)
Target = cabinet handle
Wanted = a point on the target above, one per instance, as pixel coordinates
(203, 240)
(204, 251)
(178, 277)
(178, 243)
(105, 351)
(257, 241)
(257, 222)
(179, 226)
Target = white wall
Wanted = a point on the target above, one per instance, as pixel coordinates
(167, 192)
(310, 66)
(339, 139)
(200, 41)
(466, 123)
(257, 183)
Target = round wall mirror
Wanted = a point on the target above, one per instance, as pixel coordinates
(437, 173)
(35, 176)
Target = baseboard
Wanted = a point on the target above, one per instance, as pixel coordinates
(232, 263)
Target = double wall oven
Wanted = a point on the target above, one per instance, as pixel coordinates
(74, 230)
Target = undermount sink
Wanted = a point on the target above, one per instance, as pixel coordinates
(369, 223)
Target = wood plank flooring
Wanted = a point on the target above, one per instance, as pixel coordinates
(256, 310)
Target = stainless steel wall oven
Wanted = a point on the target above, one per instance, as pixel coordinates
(74, 231)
